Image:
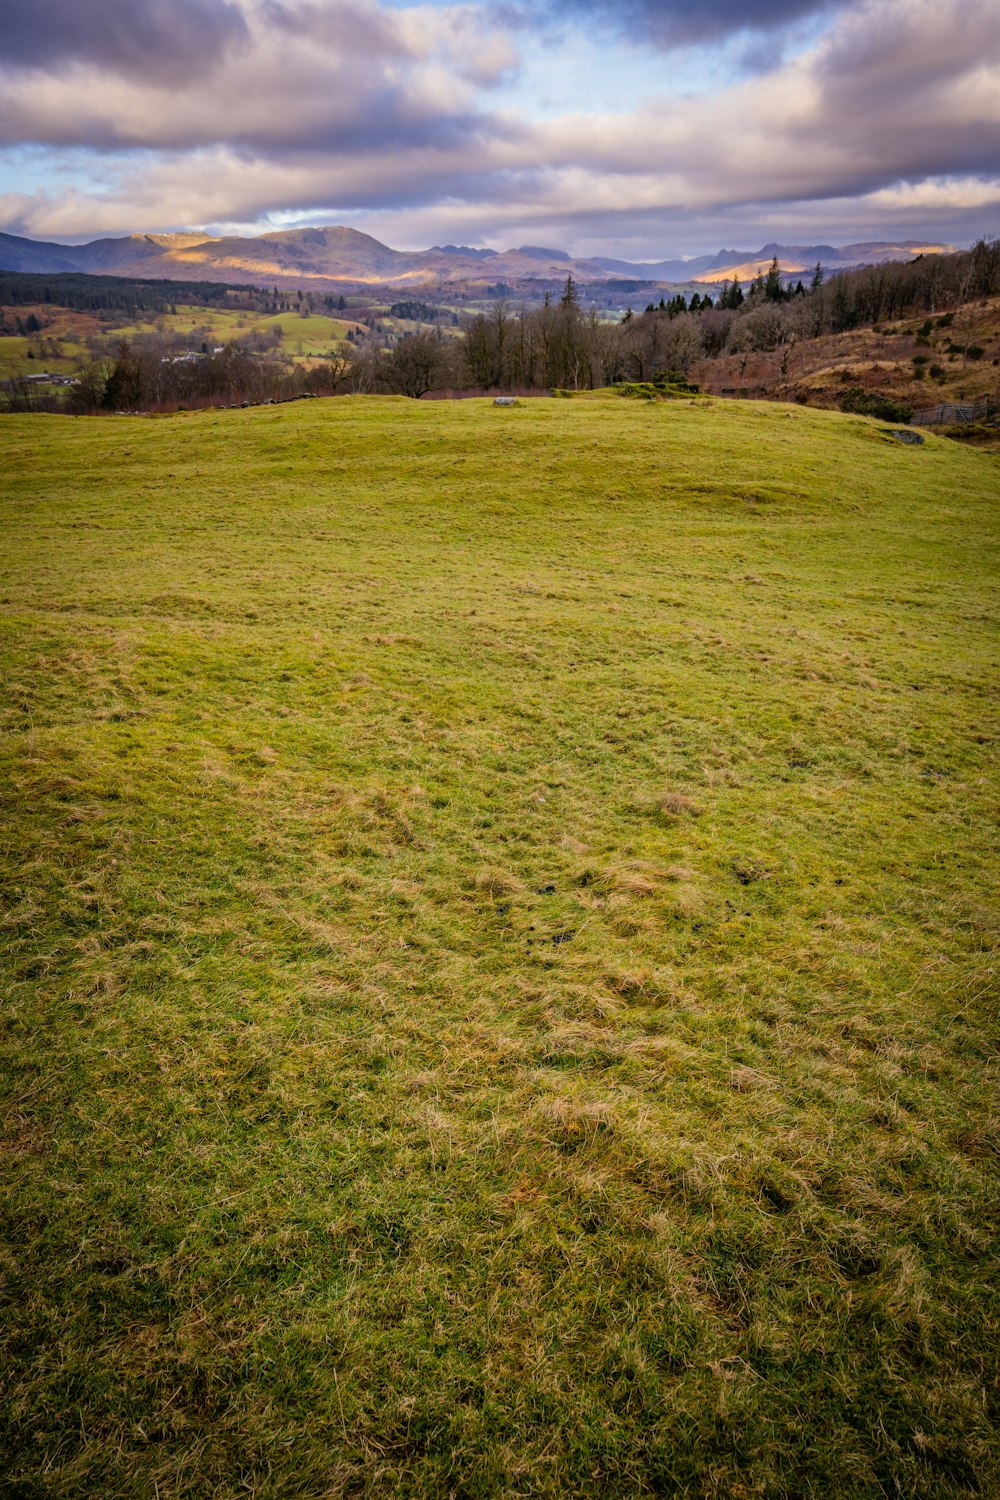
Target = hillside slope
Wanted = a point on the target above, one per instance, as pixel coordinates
(499, 930)
(952, 356)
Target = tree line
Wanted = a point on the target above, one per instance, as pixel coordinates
(82, 292)
(559, 345)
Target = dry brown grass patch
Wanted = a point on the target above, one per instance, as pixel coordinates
(496, 883)
(679, 805)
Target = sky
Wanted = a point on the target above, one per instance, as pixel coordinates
(641, 129)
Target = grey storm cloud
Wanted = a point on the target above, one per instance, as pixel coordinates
(678, 23)
(157, 40)
(347, 77)
(359, 30)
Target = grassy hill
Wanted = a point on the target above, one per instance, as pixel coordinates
(499, 928)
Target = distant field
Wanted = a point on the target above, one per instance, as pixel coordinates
(14, 358)
(315, 333)
(500, 940)
(306, 337)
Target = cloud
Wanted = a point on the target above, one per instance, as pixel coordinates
(354, 110)
(347, 77)
(156, 40)
(678, 23)
(907, 89)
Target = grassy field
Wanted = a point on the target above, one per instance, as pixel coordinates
(301, 337)
(60, 347)
(499, 929)
(313, 334)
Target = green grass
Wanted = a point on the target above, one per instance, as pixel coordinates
(14, 359)
(316, 333)
(499, 915)
(305, 337)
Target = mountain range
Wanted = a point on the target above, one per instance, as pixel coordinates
(349, 259)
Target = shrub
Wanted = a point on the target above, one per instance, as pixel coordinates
(639, 390)
(937, 372)
(872, 404)
(674, 382)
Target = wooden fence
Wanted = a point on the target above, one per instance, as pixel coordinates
(956, 411)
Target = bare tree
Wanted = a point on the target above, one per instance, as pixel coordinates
(417, 364)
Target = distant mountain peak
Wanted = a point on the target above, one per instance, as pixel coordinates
(463, 250)
(319, 234)
(539, 252)
(176, 241)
